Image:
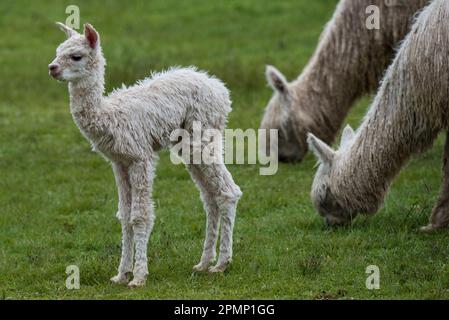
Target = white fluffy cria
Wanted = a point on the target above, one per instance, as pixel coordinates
(131, 125)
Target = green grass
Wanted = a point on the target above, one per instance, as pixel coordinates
(58, 199)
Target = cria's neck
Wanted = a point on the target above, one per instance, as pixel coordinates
(86, 95)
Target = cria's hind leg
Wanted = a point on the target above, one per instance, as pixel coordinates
(225, 194)
(227, 207)
(440, 213)
(213, 218)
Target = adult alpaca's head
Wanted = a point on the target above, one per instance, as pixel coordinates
(329, 205)
(79, 57)
(292, 126)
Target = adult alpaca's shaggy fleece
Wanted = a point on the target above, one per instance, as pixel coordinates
(349, 62)
(411, 108)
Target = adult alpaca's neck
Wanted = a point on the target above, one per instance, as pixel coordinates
(349, 63)
(325, 97)
(409, 111)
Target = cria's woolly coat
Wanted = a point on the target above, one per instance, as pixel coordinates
(148, 112)
(410, 109)
(349, 62)
(131, 125)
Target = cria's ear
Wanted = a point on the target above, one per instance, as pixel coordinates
(92, 36)
(276, 80)
(324, 153)
(348, 134)
(68, 31)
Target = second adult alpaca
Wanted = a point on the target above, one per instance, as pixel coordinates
(349, 62)
(409, 111)
(131, 125)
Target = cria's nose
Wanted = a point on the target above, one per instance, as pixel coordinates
(53, 67)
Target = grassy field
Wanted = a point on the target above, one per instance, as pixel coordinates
(58, 199)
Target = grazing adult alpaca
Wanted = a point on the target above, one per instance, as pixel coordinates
(349, 62)
(131, 125)
(409, 111)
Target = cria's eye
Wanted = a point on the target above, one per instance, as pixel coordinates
(76, 57)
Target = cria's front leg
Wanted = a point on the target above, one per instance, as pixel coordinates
(126, 261)
(440, 214)
(142, 218)
(124, 193)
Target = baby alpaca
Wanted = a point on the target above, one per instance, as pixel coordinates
(130, 126)
(349, 62)
(409, 111)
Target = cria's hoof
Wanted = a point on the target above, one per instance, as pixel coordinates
(120, 279)
(200, 267)
(137, 282)
(219, 268)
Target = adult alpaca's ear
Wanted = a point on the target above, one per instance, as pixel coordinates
(68, 31)
(323, 152)
(92, 36)
(347, 136)
(276, 80)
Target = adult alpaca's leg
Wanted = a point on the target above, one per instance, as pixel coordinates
(142, 217)
(440, 213)
(213, 219)
(124, 215)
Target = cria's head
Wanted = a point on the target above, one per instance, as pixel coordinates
(79, 56)
(279, 114)
(323, 197)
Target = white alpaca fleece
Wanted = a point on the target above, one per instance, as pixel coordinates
(131, 125)
(409, 111)
(349, 61)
